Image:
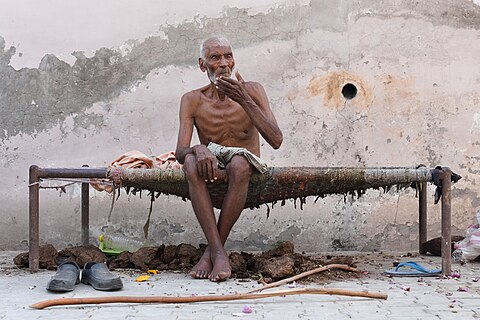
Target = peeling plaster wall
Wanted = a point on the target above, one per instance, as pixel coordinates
(82, 83)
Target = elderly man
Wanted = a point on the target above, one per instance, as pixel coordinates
(228, 115)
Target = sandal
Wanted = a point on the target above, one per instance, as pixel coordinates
(412, 269)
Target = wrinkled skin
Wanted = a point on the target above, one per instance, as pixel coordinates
(229, 112)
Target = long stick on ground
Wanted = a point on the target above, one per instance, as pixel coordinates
(238, 296)
(303, 275)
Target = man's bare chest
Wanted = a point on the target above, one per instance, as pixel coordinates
(221, 116)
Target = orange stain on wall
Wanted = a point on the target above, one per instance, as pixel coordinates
(330, 86)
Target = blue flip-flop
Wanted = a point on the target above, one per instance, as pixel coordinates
(412, 269)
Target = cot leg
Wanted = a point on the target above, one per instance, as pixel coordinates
(33, 219)
(85, 212)
(422, 218)
(446, 221)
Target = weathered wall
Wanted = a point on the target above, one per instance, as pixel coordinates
(82, 83)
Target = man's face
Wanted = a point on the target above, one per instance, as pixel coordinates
(218, 61)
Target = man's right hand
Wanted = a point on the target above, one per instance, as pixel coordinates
(207, 165)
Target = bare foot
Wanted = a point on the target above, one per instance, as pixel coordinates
(221, 266)
(203, 268)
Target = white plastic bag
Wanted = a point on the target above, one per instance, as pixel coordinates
(469, 248)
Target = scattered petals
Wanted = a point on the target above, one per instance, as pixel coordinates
(406, 288)
(247, 309)
(475, 279)
(462, 289)
(32, 287)
(142, 278)
(455, 275)
(295, 285)
(153, 271)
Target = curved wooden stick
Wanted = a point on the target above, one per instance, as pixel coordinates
(303, 275)
(238, 296)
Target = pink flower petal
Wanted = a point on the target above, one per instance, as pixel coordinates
(247, 309)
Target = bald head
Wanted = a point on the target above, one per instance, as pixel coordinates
(215, 40)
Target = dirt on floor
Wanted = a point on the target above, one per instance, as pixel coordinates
(278, 263)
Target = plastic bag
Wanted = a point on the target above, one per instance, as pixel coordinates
(469, 248)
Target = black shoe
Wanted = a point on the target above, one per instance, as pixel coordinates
(67, 276)
(100, 278)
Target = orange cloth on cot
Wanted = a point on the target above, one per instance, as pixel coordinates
(139, 160)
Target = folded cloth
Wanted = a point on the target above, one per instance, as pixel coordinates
(225, 154)
(133, 159)
(138, 160)
(100, 278)
(66, 277)
(166, 161)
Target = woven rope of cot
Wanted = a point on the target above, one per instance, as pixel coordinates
(278, 184)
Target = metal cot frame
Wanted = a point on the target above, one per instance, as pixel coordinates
(36, 174)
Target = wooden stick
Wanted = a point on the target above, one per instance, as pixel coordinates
(189, 299)
(303, 275)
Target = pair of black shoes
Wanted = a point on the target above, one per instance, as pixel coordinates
(95, 274)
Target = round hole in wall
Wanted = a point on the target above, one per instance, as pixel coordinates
(349, 91)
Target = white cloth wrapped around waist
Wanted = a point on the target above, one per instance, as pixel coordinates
(225, 154)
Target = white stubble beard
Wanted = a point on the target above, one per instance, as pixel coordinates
(213, 79)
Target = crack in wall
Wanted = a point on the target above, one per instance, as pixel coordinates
(35, 99)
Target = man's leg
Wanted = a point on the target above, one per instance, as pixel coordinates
(202, 205)
(239, 171)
